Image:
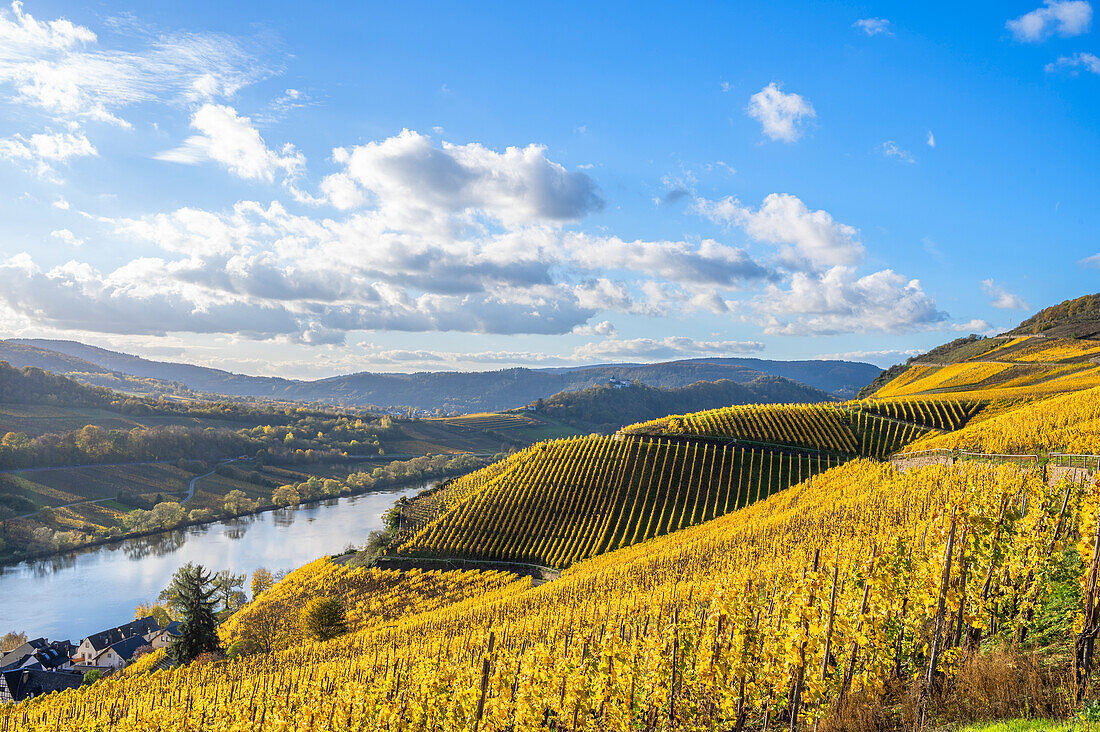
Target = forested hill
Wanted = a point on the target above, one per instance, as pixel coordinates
(606, 408)
(32, 385)
(457, 391)
(1077, 318)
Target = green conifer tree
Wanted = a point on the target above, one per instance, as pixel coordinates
(194, 595)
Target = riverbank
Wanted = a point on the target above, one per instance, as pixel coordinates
(85, 590)
(55, 535)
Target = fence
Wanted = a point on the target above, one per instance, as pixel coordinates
(920, 458)
(1078, 461)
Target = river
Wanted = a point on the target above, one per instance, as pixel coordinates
(78, 593)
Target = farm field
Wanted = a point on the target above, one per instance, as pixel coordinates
(517, 426)
(39, 419)
(58, 486)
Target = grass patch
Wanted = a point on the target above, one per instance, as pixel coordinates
(1023, 725)
(39, 419)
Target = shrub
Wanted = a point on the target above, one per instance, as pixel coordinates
(324, 618)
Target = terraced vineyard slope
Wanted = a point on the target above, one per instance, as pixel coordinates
(853, 429)
(820, 595)
(562, 501)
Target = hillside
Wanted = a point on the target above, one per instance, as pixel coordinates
(448, 391)
(562, 501)
(726, 625)
(1077, 318)
(605, 408)
(1054, 351)
(727, 568)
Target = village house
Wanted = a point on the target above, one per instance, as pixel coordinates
(163, 638)
(119, 654)
(39, 654)
(121, 642)
(19, 684)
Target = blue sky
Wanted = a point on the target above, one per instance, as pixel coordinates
(299, 190)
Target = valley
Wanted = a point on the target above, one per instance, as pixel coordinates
(736, 567)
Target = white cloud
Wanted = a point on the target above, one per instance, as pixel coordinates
(418, 183)
(783, 116)
(837, 301)
(706, 263)
(67, 237)
(881, 358)
(672, 347)
(1057, 17)
(891, 149)
(977, 325)
(810, 238)
(231, 140)
(603, 328)
(874, 26)
(62, 69)
(42, 150)
(61, 203)
(1087, 61)
(1002, 298)
(282, 105)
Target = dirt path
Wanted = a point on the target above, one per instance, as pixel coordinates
(188, 497)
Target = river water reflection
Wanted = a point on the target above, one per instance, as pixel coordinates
(78, 593)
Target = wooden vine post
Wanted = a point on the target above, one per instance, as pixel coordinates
(800, 677)
(484, 681)
(1085, 641)
(937, 634)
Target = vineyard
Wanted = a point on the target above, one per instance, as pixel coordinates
(488, 421)
(371, 596)
(939, 415)
(562, 501)
(1024, 367)
(800, 606)
(853, 429)
(1066, 423)
(750, 568)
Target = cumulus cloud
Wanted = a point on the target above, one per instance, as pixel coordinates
(1002, 298)
(809, 239)
(976, 325)
(1057, 17)
(67, 237)
(62, 69)
(931, 139)
(415, 181)
(232, 141)
(839, 301)
(874, 26)
(709, 262)
(662, 348)
(782, 116)
(147, 297)
(891, 149)
(45, 149)
(1076, 63)
(603, 328)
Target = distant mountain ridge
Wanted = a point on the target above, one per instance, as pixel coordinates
(459, 391)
